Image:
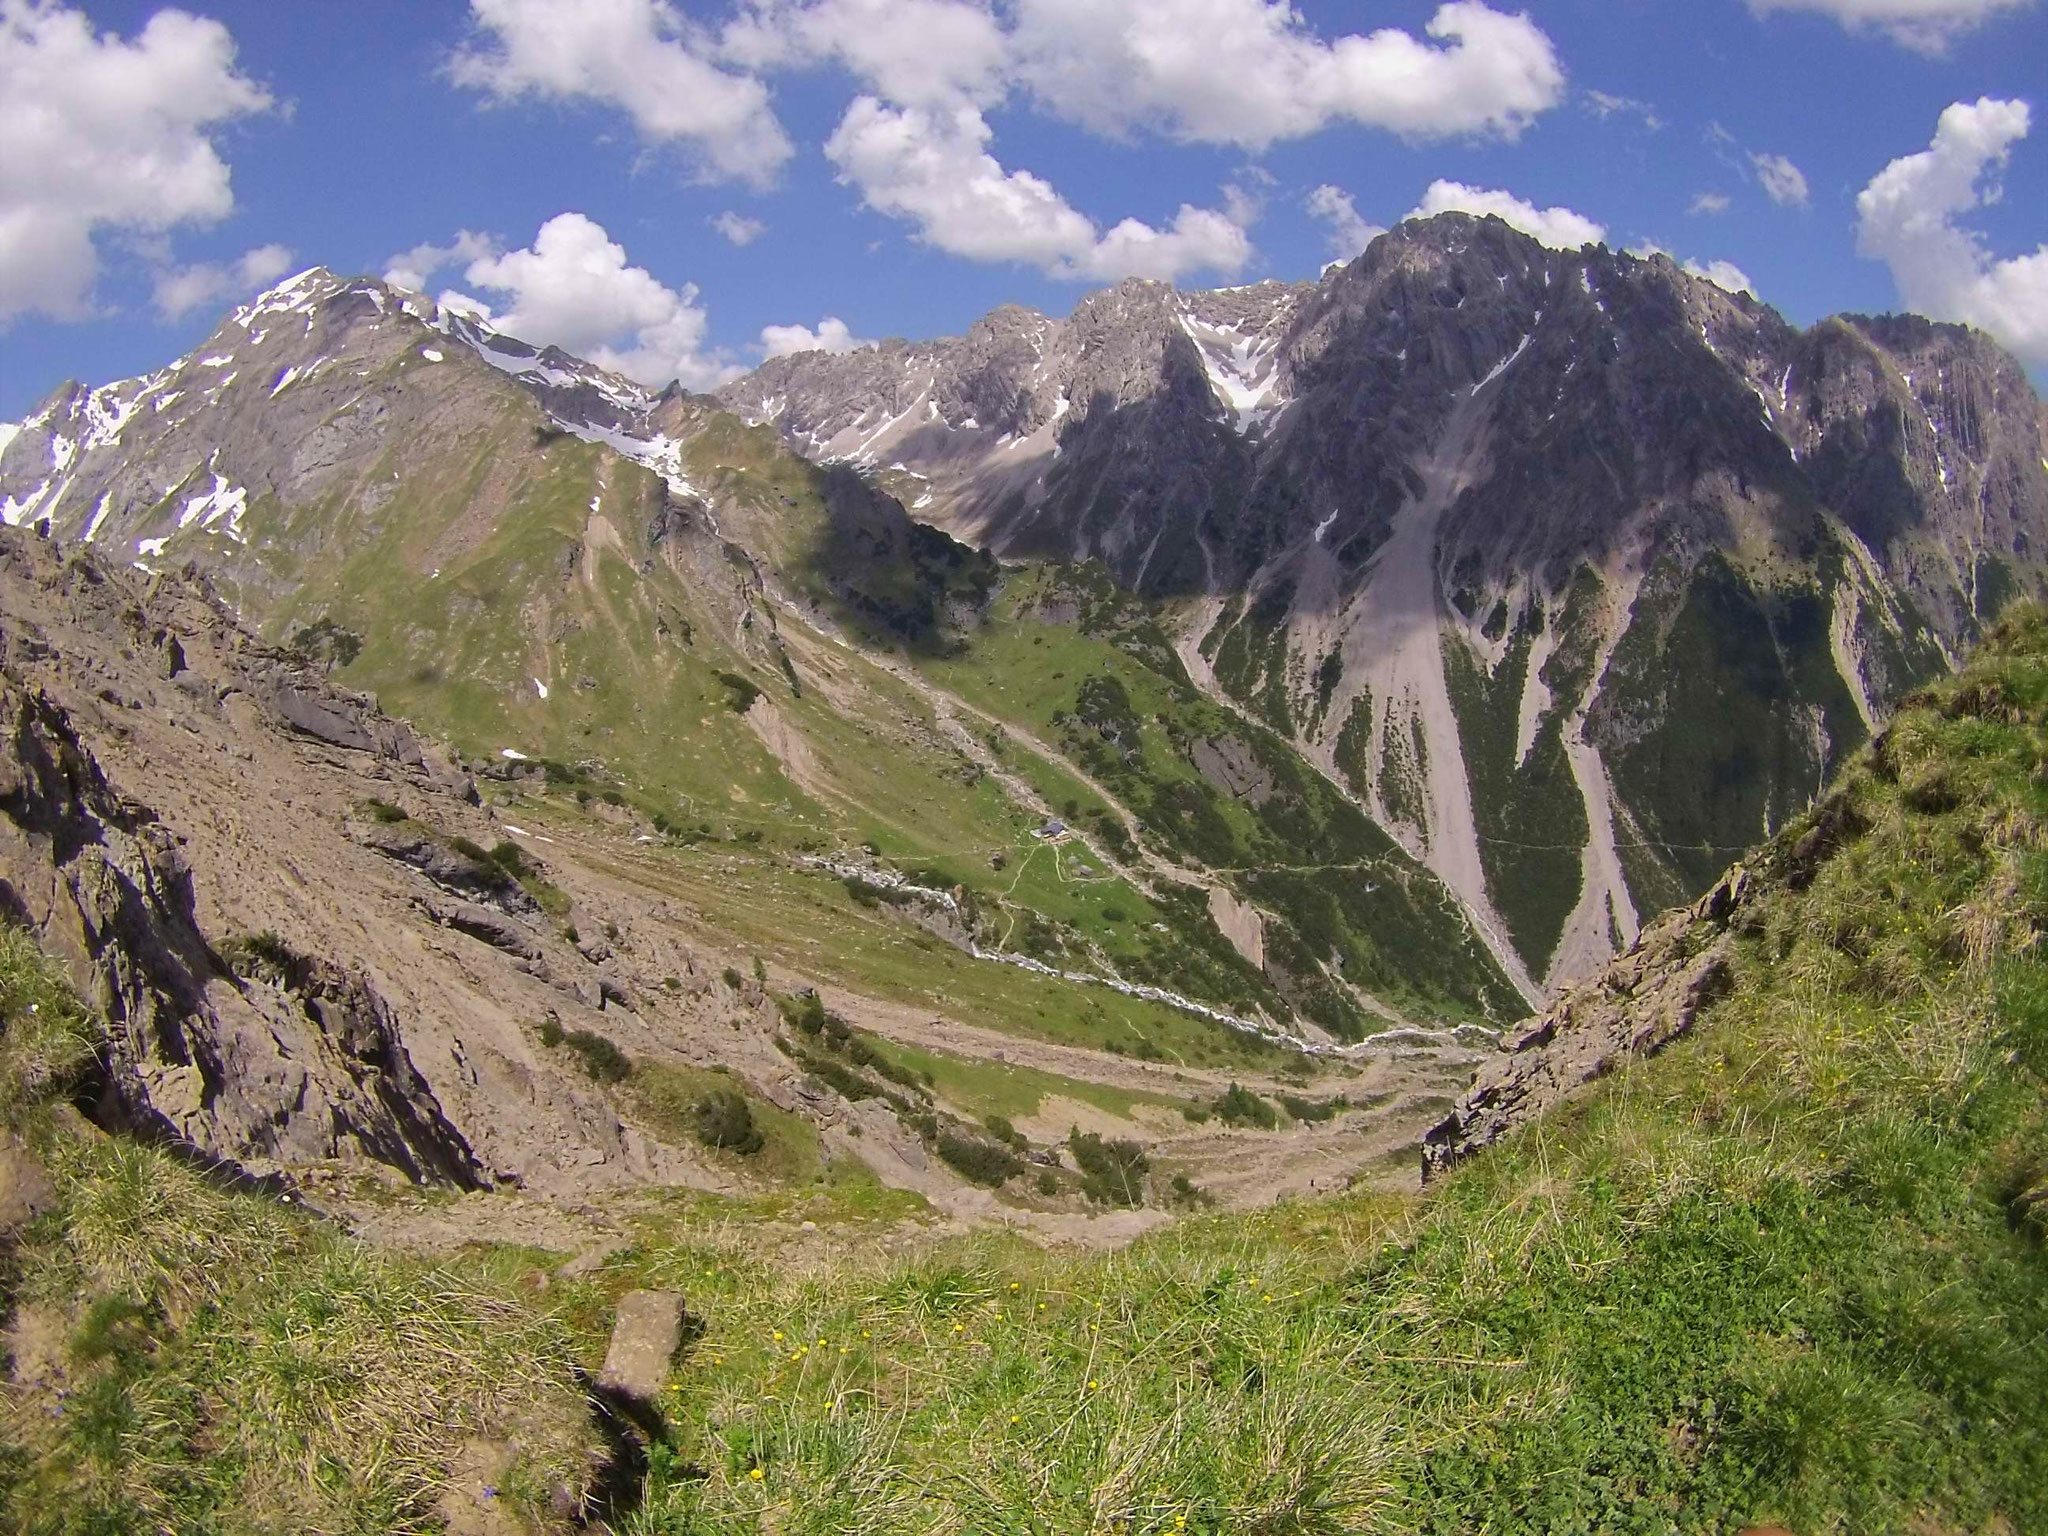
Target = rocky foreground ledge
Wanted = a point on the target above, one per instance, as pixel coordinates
(1642, 1001)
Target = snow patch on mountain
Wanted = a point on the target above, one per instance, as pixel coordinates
(218, 509)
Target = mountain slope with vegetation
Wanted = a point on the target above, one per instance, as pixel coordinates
(637, 598)
(1580, 572)
(1789, 1270)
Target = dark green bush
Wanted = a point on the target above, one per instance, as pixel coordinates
(982, 1162)
(739, 692)
(843, 1080)
(603, 1062)
(1112, 1172)
(1311, 1109)
(1240, 1106)
(806, 1013)
(724, 1120)
(384, 811)
(1003, 1131)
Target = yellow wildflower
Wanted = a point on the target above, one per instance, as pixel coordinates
(757, 1474)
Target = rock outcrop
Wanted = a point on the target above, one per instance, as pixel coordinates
(1638, 1005)
(1643, 1000)
(287, 979)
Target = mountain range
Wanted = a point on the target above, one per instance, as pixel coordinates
(1572, 571)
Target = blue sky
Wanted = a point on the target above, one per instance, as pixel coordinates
(882, 146)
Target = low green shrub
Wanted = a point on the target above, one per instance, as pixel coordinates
(982, 1162)
(601, 1059)
(725, 1121)
(1311, 1111)
(999, 1126)
(1112, 1172)
(740, 693)
(1240, 1106)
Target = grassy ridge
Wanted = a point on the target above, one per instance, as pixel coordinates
(1792, 1270)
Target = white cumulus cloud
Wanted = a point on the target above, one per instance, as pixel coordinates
(641, 56)
(1784, 183)
(1710, 202)
(737, 227)
(1348, 231)
(832, 335)
(1907, 218)
(1559, 227)
(1927, 26)
(1243, 72)
(912, 52)
(416, 268)
(1722, 274)
(105, 133)
(932, 168)
(180, 290)
(1251, 72)
(573, 289)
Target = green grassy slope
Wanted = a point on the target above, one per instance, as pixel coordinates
(186, 1358)
(1791, 1270)
(1090, 672)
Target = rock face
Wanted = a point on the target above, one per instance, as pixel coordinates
(182, 820)
(1579, 571)
(1638, 1005)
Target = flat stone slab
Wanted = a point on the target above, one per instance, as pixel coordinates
(26, 1189)
(648, 1329)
